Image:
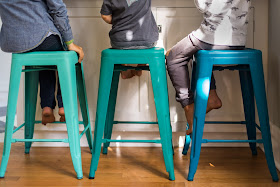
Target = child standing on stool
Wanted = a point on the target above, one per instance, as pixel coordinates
(224, 27)
(133, 26)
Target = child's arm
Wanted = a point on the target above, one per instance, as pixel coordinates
(107, 18)
(106, 11)
(203, 5)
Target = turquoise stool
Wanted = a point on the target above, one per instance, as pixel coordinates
(249, 64)
(108, 86)
(71, 78)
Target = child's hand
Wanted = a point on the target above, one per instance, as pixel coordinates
(107, 18)
(77, 49)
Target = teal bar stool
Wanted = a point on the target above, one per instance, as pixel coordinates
(108, 86)
(71, 78)
(249, 64)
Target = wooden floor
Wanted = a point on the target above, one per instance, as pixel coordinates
(136, 167)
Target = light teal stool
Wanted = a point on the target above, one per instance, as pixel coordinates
(71, 78)
(108, 86)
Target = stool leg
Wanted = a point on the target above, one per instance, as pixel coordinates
(106, 74)
(67, 77)
(11, 112)
(159, 82)
(31, 91)
(249, 107)
(187, 142)
(188, 138)
(203, 75)
(111, 110)
(81, 86)
(260, 94)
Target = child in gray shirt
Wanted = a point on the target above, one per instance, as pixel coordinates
(133, 26)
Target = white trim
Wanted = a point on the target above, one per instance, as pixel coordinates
(275, 134)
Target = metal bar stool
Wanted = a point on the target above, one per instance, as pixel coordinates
(249, 64)
(108, 86)
(71, 80)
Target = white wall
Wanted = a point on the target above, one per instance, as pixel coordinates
(5, 61)
(273, 83)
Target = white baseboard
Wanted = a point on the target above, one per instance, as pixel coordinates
(275, 134)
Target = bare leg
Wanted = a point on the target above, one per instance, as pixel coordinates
(214, 102)
(62, 114)
(189, 111)
(138, 72)
(127, 74)
(47, 116)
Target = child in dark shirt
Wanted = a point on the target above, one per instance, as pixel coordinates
(133, 26)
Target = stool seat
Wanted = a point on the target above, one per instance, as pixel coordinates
(71, 78)
(118, 53)
(46, 58)
(249, 64)
(107, 95)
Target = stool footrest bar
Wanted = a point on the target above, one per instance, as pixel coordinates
(134, 122)
(225, 122)
(124, 68)
(231, 68)
(56, 122)
(84, 131)
(40, 140)
(232, 141)
(131, 141)
(18, 128)
(258, 127)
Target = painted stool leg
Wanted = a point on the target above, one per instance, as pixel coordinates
(159, 83)
(111, 110)
(11, 112)
(249, 107)
(106, 74)
(84, 104)
(204, 73)
(188, 138)
(67, 77)
(259, 90)
(31, 91)
(187, 142)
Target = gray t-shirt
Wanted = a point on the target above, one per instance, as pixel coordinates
(133, 23)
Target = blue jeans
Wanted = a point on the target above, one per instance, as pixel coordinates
(47, 78)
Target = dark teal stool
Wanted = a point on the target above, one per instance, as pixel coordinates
(71, 78)
(108, 86)
(249, 64)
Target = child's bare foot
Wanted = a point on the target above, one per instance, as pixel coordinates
(47, 116)
(214, 102)
(62, 114)
(137, 73)
(189, 111)
(127, 74)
